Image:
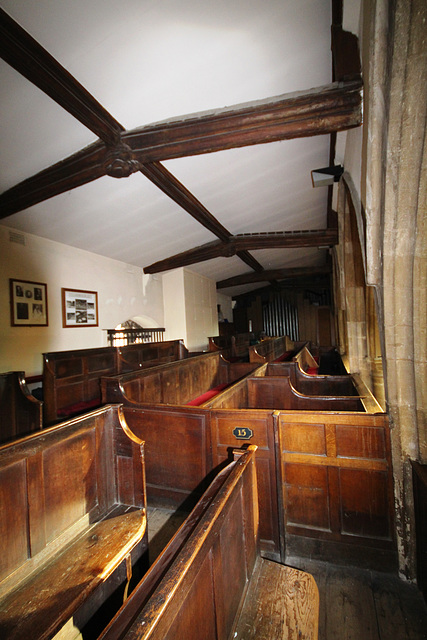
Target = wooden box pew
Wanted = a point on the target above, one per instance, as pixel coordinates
(71, 379)
(278, 393)
(354, 444)
(20, 411)
(308, 384)
(72, 499)
(272, 349)
(194, 380)
(219, 586)
(233, 347)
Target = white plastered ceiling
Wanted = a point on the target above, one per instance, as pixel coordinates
(151, 60)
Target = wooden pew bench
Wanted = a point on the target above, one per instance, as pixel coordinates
(219, 586)
(20, 412)
(73, 523)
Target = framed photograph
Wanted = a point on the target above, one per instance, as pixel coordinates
(79, 308)
(28, 303)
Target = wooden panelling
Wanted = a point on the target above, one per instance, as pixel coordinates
(13, 530)
(72, 499)
(177, 452)
(20, 412)
(71, 379)
(336, 477)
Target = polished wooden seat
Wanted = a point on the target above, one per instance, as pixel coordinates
(73, 507)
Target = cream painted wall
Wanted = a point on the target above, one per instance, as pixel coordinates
(226, 306)
(174, 305)
(123, 292)
(190, 308)
(200, 309)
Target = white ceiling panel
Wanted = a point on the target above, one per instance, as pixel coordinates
(146, 61)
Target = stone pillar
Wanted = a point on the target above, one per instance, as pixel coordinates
(395, 126)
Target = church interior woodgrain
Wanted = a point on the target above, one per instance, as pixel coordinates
(242, 184)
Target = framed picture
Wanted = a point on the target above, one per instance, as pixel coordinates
(79, 308)
(28, 303)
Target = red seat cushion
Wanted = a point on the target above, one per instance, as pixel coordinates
(78, 407)
(283, 357)
(207, 395)
(312, 371)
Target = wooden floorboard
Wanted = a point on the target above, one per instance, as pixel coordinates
(161, 524)
(355, 604)
(358, 604)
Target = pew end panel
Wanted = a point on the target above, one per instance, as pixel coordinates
(20, 412)
(151, 579)
(219, 584)
(233, 428)
(337, 487)
(73, 520)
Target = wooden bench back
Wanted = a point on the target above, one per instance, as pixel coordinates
(54, 483)
(133, 357)
(20, 412)
(233, 346)
(71, 379)
(270, 349)
(201, 594)
(173, 383)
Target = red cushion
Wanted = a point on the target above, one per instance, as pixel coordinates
(284, 356)
(79, 407)
(207, 395)
(312, 371)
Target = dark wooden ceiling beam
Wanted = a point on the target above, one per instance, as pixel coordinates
(246, 242)
(319, 111)
(75, 171)
(164, 180)
(275, 274)
(29, 58)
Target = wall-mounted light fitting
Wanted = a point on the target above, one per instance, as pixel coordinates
(327, 175)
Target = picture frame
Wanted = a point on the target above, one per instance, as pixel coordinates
(28, 303)
(79, 308)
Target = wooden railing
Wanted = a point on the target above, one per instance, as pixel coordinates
(122, 337)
